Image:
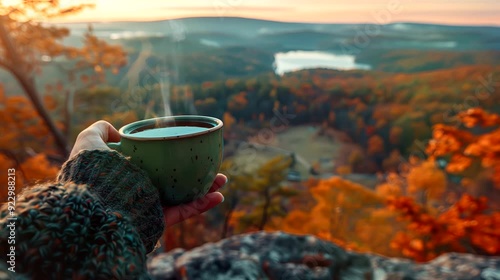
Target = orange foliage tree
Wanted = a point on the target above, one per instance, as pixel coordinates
(464, 227)
(347, 214)
(427, 181)
(23, 135)
(253, 201)
(470, 224)
(263, 195)
(36, 168)
(464, 150)
(32, 128)
(25, 42)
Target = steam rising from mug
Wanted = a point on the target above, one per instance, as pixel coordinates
(154, 80)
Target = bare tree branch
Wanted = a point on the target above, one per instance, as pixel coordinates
(16, 68)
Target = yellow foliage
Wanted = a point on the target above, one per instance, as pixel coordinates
(348, 214)
(260, 194)
(337, 188)
(344, 170)
(295, 221)
(427, 178)
(388, 189)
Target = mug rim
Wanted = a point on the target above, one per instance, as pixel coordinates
(125, 130)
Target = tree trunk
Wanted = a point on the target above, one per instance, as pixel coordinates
(234, 202)
(68, 112)
(225, 227)
(15, 66)
(267, 203)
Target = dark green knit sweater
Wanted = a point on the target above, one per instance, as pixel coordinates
(97, 221)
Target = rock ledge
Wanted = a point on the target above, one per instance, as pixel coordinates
(280, 255)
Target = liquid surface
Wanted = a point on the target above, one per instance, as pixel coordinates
(170, 131)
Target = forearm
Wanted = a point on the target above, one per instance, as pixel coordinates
(122, 187)
(65, 231)
(100, 218)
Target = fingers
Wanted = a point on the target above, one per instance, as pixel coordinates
(179, 213)
(95, 137)
(106, 131)
(219, 182)
(113, 134)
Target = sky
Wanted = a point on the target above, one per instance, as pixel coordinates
(454, 12)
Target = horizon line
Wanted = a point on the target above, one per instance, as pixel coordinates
(276, 21)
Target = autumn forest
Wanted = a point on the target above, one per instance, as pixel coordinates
(414, 171)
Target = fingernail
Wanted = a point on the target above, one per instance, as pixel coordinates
(222, 199)
(225, 182)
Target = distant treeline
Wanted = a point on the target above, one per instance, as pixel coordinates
(395, 111)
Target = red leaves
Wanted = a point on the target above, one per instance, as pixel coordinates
(462, 228)
(405, 205)
(458, 163)
(447, 139)
(463, 148)
(478, 117)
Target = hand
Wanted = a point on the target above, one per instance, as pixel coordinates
(179, 213)
(95, 137)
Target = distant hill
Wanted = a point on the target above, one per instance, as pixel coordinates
(237, 31)
(204, 48)
(207, 49)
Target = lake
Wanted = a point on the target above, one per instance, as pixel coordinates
(298, 60)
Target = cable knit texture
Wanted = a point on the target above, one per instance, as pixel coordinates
(66, 232)
(97, 222)
(122, 187)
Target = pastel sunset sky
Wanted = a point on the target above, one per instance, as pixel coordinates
(455, 12)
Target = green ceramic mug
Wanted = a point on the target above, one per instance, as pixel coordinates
(181, 154)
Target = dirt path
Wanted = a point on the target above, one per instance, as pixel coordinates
(303, 141)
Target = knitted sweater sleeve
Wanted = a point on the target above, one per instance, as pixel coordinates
(97, 222)
(122, 187)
